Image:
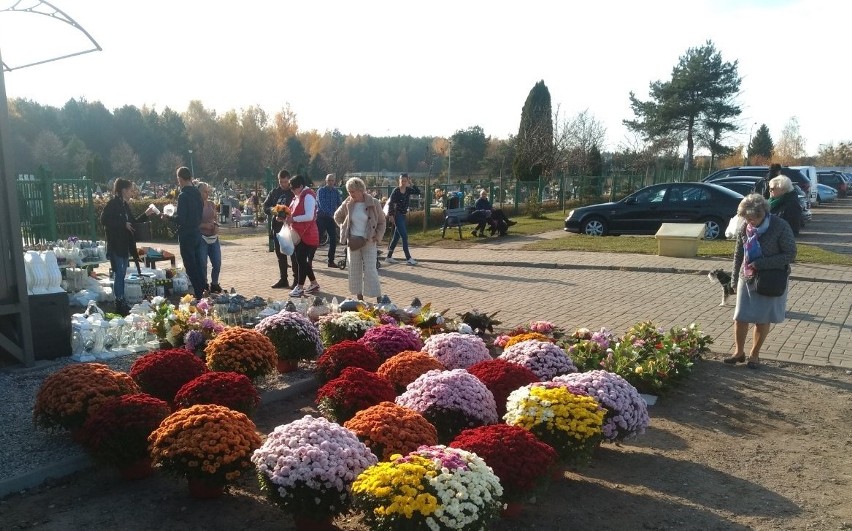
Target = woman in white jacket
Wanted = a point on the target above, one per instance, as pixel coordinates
(362, 227)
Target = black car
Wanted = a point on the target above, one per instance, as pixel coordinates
(760, 171)
(746, 185)
(835, 179)
(643, 212)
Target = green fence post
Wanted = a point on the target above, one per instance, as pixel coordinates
(90, 207)
(49, 206)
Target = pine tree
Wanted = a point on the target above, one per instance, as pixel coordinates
(761, 145)
(534, 143)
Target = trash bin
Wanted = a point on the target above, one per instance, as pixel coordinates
(679, 239)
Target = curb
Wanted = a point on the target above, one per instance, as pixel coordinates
(81, 461)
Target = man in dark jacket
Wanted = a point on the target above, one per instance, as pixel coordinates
(279, 196)
(188, 220)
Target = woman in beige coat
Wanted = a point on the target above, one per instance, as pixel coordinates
(362, 226)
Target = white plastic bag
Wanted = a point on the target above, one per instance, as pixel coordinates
(731, 231)
(285, 240)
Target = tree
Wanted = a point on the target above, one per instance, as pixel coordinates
(716, 126)
(761, 145)
(534, 143)
(701, 85)
(573, 140)
(49, 152)
(124, 161)
(791, 146)
(468, 151)
(829, 155)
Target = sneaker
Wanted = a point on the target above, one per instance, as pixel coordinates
(313, 288)
(510, 223)
(215, 288)
(281, 284)
(332, 264)
(411, 261)
(297, 292)
(391, 260)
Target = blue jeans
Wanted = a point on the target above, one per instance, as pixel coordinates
(119, 268)
(212, 251)
(399, 232)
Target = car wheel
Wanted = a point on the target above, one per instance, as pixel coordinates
(594, 227)
(713, 229)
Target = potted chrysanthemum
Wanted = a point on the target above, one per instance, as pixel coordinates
(626, 411)
(337, 327)
(307, 467)
(388, 429)
(434, 487)
(543, 358)
(405, 367)
(162, 372)
(451, 401)
(388, 340)
(116, 434)
(501, 378)
(455, 350)
(345, 354)
(518, 458)
(229, 389)
(352, 391)
(568, 420)
(69, 396)
(295, 338)
(241, 350)
(210, 445)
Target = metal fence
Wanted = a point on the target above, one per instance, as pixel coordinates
(53, 209)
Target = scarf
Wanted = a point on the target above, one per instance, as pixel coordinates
(751, 246)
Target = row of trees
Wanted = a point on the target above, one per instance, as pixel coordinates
(697, 108)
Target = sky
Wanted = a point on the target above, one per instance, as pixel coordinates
(388, 68)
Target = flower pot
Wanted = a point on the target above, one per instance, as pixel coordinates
(204, 490)
(512, 510)
(285, 366)
(309, 523)
(137, 470)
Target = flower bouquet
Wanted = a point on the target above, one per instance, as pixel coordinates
(345, 354)
(307, 466)
(501, 378)
(294, 335)
(229, 389)
(451, 401)
(691, 340)
(190, 323)
(162, 372)
(517, 457)
(117, 432)
(352, 391)
(241, 350)
(280, 211)
(434, 487)
(543, 358)
(569, 422)
(626, 411)
(337, 327)
(457, 351)
(388, 340)
(69, 396)
(403, 368)
(429, 322)
(205, 442)
(587, 350)
(388, 429)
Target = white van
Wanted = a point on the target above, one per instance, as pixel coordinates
(811, 173)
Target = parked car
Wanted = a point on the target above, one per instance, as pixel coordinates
(794, 174)
(826, 193)
(643, 211)
(811, 173)
(835, 179)
(745, 185)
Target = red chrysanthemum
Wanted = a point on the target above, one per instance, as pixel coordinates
(501, 377)
(345, 354)
(355, 389)
(229, 389)
(162, 372)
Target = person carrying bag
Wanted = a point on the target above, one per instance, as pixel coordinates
(362, 227)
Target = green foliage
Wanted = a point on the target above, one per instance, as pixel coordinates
(534, 143)
(761, 145)
(594, 161)
(468, 151)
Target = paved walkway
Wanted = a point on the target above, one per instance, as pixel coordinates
(593, 290)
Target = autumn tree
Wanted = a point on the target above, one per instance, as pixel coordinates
(791, 146)
(534, 143)
(702, 88)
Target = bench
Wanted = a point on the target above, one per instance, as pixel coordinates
(456, 217)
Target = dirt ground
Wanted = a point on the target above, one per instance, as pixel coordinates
(731, 448)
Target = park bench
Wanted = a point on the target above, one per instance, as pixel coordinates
(456, 217)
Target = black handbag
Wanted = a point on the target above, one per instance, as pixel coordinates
(771, 282)
(142, 231)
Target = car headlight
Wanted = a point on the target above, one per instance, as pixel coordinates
(570, 215)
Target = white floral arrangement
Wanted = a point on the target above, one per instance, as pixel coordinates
(543, 358)
(456, 350)
(337, 327)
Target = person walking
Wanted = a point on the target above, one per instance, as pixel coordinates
(784, 202)
(397, 210)
(188, 220)
(282, 195)
(763, 242)
(329, 201)
(118, 220)
(211, 249)
(303, 221)
(362, 227)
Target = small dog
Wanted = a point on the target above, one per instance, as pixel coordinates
(718, 276)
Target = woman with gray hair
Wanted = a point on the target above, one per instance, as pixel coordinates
(784, 202)
(362, 225)
(763, 242)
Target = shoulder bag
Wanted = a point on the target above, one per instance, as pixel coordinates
(771, 282)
